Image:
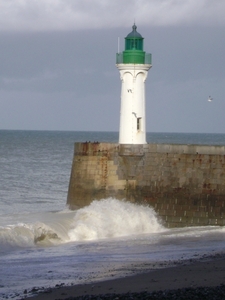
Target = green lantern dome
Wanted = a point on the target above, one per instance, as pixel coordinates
(134, 40)
(134, 33)
(134, 53)
(134, 49)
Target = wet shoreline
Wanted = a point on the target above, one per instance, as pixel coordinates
(193, 277)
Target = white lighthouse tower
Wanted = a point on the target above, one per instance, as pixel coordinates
(133, 64)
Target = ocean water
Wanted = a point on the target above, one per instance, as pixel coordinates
(43, 243)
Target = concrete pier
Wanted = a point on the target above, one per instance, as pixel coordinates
(185, 184)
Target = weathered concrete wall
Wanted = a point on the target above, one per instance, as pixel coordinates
(184, 183)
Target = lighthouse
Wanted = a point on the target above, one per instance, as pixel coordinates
(133, 64)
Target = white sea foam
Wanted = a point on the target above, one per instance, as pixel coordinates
(106, 218)
(113, 218)
(103, 219)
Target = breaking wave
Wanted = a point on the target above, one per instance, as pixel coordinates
(24, 235)
(107, 218)
(110, 218)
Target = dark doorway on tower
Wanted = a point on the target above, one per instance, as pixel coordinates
(138, 124)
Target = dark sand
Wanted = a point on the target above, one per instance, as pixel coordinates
(207, 273)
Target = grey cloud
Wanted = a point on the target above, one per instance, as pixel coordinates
(69, 60)
(69, 81)
(45, 15)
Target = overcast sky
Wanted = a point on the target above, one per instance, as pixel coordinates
(57, 63)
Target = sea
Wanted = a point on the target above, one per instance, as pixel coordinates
(44, 244)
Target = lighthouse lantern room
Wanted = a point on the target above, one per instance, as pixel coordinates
(133, 64)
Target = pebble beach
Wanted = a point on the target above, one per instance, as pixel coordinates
(203, 279)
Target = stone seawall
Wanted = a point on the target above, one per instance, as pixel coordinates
(185, 184)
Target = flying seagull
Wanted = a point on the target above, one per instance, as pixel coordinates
(210, 99)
